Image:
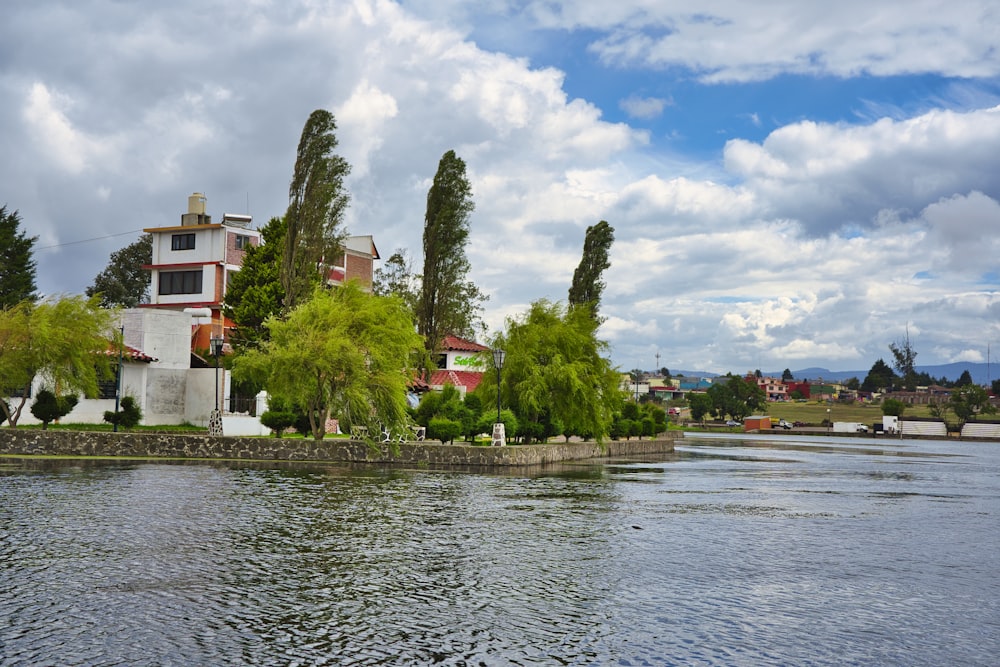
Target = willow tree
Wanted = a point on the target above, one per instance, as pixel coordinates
(317, 202)
(557, 372)
(588, 285)
(62, 340)
(447, 302)
(343, 353)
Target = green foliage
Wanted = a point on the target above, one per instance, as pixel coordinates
(128, 416)
(447, 303)
(17, 266)
(853, 384)
(317, 202)
(124, 282)
(344, 353)
(63, 340)
(395, 278)
(904, 359)
(587, 286)
(48, 407)
(278, 421)
(968, 401)
(786, 375)
(254, 293)
(443, 429)
(879, 378)
(892, 407)
(700, 404)
(964, 379)
(511, 424)
(555, 370)
(448, 404)
(736, 397)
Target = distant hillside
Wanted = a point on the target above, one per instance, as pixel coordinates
(981, 373)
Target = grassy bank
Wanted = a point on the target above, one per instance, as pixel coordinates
(813, 413)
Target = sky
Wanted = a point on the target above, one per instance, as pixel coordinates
(791, 184)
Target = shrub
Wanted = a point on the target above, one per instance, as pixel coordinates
(278, 420)
(48, 407)
(128, 416)
(443, 429)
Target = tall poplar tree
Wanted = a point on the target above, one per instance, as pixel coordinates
(447, 302)
(317, 202)
(587, 286)
(124, 282)
(17, 266)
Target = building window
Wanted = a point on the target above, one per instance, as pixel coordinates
(242, 241)
(182, 242)
(108, 388)
(180, 282)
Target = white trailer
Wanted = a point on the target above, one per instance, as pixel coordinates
(849, 427)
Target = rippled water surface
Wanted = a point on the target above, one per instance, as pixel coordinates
(730, 552)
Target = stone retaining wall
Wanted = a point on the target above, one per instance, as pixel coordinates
(141, 445)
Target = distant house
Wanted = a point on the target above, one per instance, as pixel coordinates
(460, 363)
(193, 261)
(773, 388)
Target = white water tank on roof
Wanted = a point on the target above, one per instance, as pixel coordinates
(196, 203)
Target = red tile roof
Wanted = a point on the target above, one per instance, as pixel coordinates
(468, 379)
(456, 344)
(130, 353)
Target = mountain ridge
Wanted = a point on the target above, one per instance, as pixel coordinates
(981, 373)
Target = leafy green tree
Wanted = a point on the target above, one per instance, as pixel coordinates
(587, 286)
(254, 293)
(786, 375)
(556, 371)
(736, 397)
(48, 407)
(447, 302)
(128, 417)
(893, 407)
(444, 429)
(317, 202)
(63, 340)
(905, 357)
(700, 404)
(17, 266)
(995, 387)
(124, 282)
(853, 384)
(968, 401)
(880, 377)
(964, 379)
(344, 353)
(395, 278)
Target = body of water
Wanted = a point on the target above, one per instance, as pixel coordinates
(733, 551)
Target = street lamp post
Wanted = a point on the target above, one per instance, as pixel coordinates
(215, 418)
(499, 434)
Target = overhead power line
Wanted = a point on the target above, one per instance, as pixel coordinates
(96, 238)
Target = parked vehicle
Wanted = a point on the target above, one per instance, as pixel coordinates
(733, 422)
(783, 424)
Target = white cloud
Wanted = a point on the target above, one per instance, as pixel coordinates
(643, 107)
(727, 40)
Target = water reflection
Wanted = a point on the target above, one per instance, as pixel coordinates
(728, 552)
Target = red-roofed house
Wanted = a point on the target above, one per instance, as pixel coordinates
(460, 364)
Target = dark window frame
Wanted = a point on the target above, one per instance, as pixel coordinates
(182, 241)
(180, 282)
